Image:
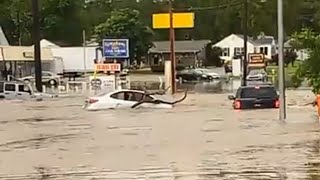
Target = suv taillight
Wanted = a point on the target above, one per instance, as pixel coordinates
(237, 104)
(277, 103)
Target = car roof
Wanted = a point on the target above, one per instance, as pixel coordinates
(257, 85)
(127, 90)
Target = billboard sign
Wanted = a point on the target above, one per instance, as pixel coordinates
(180, 20)
(115, 48)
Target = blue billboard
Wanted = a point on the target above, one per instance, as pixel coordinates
(115, 48)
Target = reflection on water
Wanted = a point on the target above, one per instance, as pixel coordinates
(200, 139)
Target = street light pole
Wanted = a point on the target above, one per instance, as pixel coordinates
(172, 52)
(245, 40)
(282, 111)
(36, 42)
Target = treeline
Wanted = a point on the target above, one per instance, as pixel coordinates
(62, 21)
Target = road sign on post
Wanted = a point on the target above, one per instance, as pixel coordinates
(115, 48)
(172, 21)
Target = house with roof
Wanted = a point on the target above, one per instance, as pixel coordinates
(232, 46)
(188, 53)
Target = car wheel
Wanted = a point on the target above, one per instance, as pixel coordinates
(52, 82)
(210, 78)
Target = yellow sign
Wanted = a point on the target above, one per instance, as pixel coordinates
(180, 20)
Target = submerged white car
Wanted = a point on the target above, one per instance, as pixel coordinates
(126, 99)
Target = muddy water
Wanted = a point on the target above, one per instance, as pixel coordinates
(200, 139)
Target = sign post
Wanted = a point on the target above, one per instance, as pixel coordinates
(172, 21)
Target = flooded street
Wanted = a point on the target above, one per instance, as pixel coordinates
(202, 138)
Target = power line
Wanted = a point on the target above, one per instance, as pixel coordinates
(214, 7)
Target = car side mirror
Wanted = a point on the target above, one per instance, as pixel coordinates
(231, 97)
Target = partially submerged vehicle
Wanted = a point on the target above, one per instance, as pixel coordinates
(10, 90)
(129, 99)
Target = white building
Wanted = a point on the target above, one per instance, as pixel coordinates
(232, 45)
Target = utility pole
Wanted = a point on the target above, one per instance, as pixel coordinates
(36, 42)
(172, 52)
(84, 51)
(282, 98)
(245, 40)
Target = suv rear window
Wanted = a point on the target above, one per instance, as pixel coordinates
(252, 92)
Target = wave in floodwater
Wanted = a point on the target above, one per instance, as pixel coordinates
(200, 139)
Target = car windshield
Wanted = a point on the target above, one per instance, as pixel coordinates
(261, 92)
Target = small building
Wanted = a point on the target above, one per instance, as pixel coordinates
(302, 54)
(188, 53)
(19, 60)
(232, 46)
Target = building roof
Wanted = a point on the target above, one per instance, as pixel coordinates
(3, 39)
(180, 46)
(23, 53)
(260, 41)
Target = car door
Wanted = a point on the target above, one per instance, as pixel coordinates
(10, 90)
(121, 100)
(46, 76)
(24, 92)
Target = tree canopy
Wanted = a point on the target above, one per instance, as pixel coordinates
(124, 23)
(309, 40)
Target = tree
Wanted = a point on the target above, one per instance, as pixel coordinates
(290, 56)
(124, 23)
(310, 69)
(213, 56)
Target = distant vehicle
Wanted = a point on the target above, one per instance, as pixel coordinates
(47, 78)
(127, 99)
(258, 96)
(188, 75)
(14, 90)
(19, 90)
(208, 73)
(257, 75)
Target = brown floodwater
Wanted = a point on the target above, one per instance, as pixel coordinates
(202, 138)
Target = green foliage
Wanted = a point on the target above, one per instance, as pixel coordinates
(63, 20)
(310, 69)
(124, 23)
(213, 56)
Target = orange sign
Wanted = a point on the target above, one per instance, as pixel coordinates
(256, 58)
(108, 67)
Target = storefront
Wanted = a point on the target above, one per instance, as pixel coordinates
(19, 60)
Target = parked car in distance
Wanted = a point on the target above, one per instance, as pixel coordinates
(255, 96)
(188, 75)
(208, 73)
(47, 78)
(257, 75)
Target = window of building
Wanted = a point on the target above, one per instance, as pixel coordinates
(264, 50)
(225, 52)
(238, 51)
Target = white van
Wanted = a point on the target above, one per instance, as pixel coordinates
(14, 90)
